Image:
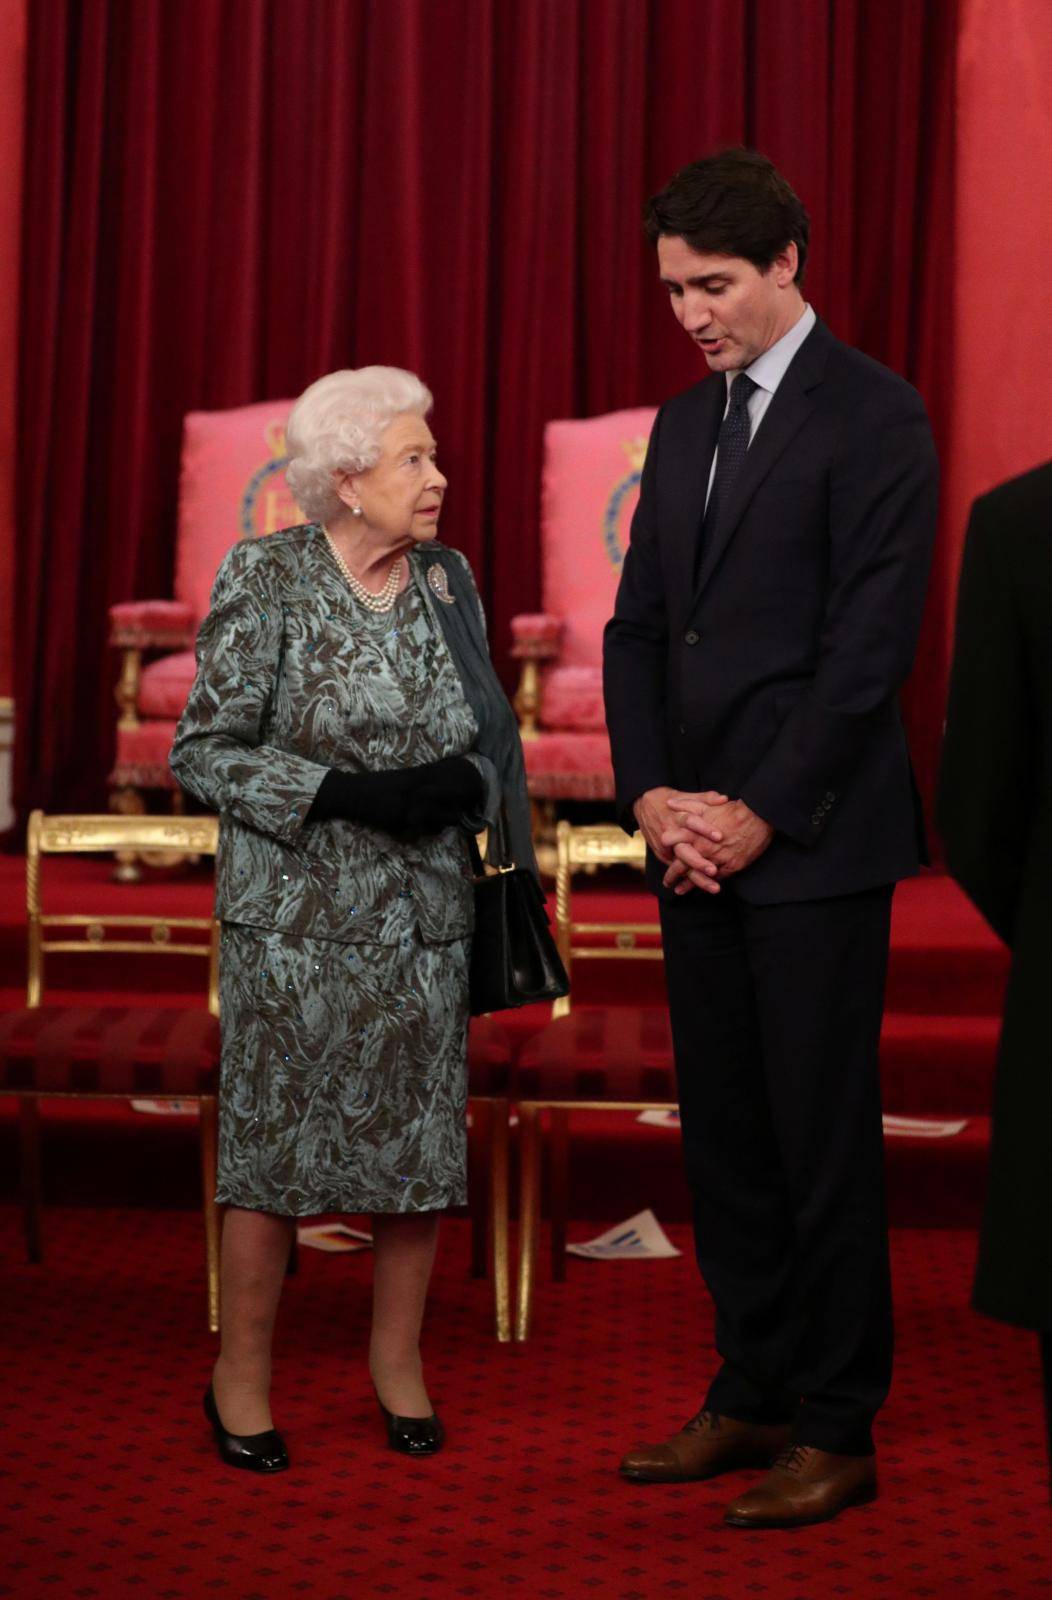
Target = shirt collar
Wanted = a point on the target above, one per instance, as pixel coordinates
(768, 370)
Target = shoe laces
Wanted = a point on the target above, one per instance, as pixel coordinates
(793, 1457)
(705, 1421)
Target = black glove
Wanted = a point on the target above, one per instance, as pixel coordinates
(448, 790)
(409, 800)
(377, 799)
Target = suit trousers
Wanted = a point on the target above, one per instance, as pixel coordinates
(776, 1014)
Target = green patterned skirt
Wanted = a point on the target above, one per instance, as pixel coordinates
(343, 1084)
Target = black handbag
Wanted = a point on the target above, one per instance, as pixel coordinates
(514, 959)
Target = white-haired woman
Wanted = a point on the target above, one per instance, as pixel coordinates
(346, 723)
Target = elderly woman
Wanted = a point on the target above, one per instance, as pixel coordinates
(347, 725)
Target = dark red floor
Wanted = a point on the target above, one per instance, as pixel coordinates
(112, 1488)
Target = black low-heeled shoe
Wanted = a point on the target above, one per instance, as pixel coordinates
(255, 1452)
(413, 1436)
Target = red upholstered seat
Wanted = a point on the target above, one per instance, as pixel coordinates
(142, 751)
(165, 685)
(599, 1053)
(572, 698)
(489, 1058)
(120, 1050)
(569, 766)
(140, 624)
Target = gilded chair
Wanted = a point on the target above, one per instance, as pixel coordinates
(587, 1058)
(590, 489)
(232, 486)
(114, 1051)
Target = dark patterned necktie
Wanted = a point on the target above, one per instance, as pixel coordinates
(731, 447)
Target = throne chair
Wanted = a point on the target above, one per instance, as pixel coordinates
(232, 486)
(590, 489)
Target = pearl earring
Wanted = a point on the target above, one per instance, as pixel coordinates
(356, 511)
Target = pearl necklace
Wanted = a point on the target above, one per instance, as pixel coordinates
(383, 599)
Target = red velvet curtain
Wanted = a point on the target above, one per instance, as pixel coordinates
(226, 198)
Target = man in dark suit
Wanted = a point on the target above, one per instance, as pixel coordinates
(995, 815)
(766, 616)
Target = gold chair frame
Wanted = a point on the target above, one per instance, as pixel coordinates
(490, 1143)
(107, 835)
(578, 849)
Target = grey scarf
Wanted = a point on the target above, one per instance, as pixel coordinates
(498, 736)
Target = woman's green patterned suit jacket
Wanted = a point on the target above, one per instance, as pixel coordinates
(291, 682)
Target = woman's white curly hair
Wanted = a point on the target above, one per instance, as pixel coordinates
(335, 426)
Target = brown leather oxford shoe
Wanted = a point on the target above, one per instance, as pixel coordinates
(706, 1445)
(804, 1485)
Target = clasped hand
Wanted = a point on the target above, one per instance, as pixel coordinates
(701, 838)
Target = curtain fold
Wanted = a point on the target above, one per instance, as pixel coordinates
(226, 198)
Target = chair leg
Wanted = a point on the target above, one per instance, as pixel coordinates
(209, 1119)
(29, 1161)
(529, 1214)
(498, 1144)
(480, 1163)
(542, 816)
(127, 802)
(559, 1187)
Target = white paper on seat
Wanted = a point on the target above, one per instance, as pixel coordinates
(167, 1108)
(640, 1238)
(335, 1237)
(923, 1127)
(659, 1119)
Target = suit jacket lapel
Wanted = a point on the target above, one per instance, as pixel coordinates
(702, 447)
(789, 409)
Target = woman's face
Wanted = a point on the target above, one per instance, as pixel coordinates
(401, 497)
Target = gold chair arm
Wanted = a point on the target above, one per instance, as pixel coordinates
(126, 693)
(528, 698)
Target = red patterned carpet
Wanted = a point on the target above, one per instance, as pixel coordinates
(112, 1488)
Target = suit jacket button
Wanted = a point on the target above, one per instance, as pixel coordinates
(691, 636)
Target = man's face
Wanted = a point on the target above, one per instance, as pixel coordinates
(731, 310)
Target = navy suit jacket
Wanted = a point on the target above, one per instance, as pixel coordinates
(772, 673)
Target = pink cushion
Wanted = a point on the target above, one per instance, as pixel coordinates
(165, 684)
(141, 623)
(142, 756)
(232, 487)
(590, 490)
(572, 697)
(535, 633)
(569, 766)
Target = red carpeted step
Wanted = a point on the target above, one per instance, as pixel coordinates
(944, 959)
(938, 1183)
(619, 1165)
(105, 1153)
(938, 1066)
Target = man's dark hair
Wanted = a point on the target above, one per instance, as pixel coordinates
(732, 203)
